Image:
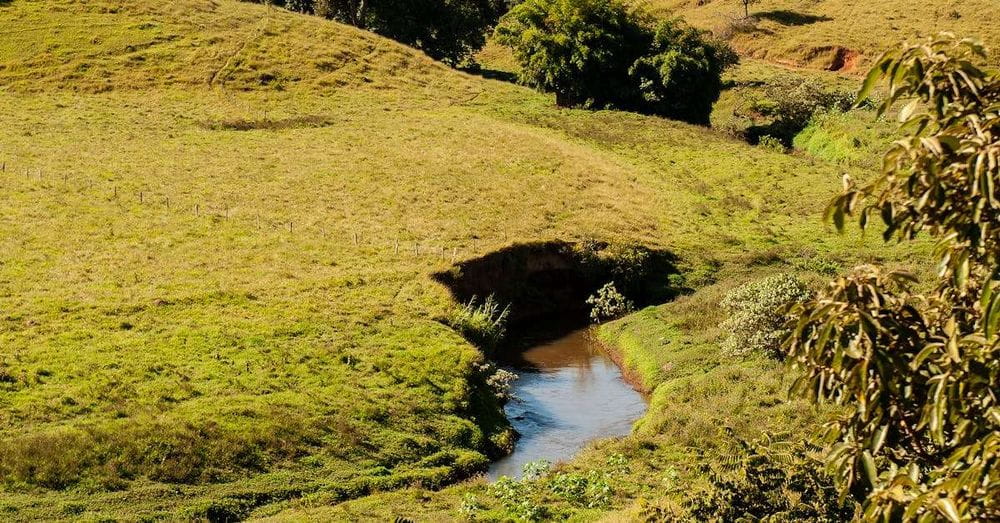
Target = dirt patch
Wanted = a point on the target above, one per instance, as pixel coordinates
(834, 58)
(845, 60)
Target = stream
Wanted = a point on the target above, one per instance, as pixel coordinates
(568, 394)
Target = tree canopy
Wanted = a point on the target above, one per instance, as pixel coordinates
(448, 30)
(602, 54)
(919, 373)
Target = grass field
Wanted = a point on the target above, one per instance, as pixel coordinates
(220, 225)
(843, 35)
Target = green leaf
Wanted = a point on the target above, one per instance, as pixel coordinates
(873, 77)
(947, 508)
(871, 473)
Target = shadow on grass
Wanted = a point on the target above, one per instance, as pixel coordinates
(489, 74)
(547, 284)
(792, 18)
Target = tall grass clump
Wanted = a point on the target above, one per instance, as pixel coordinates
(484, 324)
(757, 314)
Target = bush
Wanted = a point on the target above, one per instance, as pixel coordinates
(757, 318)
(600, 54)
(681, 77)
(608, 304)
(771, 143)
(788, 104)
(483, 324)
(769, 480)
(500, 382)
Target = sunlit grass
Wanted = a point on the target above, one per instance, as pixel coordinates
(200, 317)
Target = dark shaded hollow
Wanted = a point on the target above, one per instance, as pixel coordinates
(792, 18)
(547, 284)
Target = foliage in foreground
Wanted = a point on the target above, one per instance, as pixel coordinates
(600, 54)
(773, 479)
(757, 314)
(919, 374)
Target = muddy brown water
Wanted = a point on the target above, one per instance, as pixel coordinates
(569, 393)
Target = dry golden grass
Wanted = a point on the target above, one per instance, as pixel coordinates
(813, 33)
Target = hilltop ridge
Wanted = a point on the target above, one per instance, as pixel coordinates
(103, 45)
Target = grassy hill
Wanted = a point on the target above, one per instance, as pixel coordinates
(220, 225)
(842, 35)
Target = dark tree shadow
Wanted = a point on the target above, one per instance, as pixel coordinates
(489, 74)
(786, 17)
(547, 284)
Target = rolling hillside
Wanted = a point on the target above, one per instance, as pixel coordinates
(220, 225)
(841, 35)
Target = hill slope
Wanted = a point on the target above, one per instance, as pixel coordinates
(841, 35)
(114, 45)
(220, 225)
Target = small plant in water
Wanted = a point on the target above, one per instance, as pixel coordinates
(483, 324)
(608, 304)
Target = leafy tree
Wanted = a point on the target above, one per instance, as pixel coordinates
(919, 374)
(681, 77)
(448, 30)
(601, 54)
(579, 49)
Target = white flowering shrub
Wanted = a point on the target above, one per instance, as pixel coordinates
(608, 304)
(757, 315)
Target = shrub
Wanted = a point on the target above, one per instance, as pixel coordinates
(470, 506)
(757, 319)
(537, 469)
(608, 304)
(516, 498)
(788, 103)
(681, 74)
(601, 54)
(771, 480)
(771, 143)
(591, 490)
(483, 324)
(500, 381)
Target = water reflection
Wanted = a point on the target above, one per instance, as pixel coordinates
(568, 394)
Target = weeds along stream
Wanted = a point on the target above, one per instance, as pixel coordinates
(527, 307)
